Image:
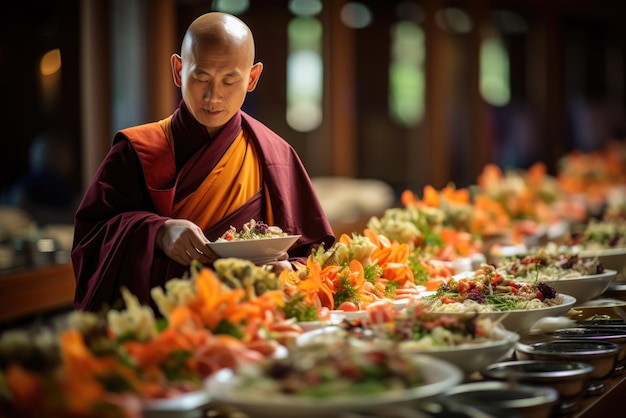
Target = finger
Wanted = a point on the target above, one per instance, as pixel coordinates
(208, 256)
(186, 258)
(282, 256)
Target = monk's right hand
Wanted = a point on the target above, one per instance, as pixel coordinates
(183, 241)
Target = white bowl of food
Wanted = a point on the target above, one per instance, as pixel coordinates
(258, 251)
(610, 258)
(584, 288)
(469, 344)
(470, 358)
(521, 321)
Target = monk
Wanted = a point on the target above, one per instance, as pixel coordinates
(167, 188)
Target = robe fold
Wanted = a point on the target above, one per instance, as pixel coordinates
(152, 171)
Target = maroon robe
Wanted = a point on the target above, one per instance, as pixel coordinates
(117, 222)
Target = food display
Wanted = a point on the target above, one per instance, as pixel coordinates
(209, 320)
(376, 319)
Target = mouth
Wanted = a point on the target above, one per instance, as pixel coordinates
(212, 112)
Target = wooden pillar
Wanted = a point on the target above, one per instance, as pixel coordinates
(546, 90)
(438, 98)
(95, 83)
(161, 44)
(340, 106)
(480, 118)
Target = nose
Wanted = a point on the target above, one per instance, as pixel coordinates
(211, 94)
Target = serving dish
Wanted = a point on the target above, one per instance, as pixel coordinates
(610, 258)
(616, 290)
(569, 378)
(599, 309)
(258, 251)
(616, 336)
(602, 355)
(225, 389)
(584, 288)
(521, 321)
(471, 358)
(518, 400)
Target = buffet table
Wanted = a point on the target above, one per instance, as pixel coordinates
(29, 292)
(603, 404)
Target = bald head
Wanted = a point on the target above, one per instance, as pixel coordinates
(216, 68)
(219, 31)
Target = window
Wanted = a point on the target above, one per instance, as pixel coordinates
(304, 68)
(406, 73)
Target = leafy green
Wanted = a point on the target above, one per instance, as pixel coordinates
(296, 307)
(345, 291)
(227, 327)
(500, 304)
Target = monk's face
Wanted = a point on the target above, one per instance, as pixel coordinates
(214, 77)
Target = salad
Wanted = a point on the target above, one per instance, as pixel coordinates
(252, 230)
(326, 370)
(489, 290)
(546, 265)
(418, 328)
(601, 235)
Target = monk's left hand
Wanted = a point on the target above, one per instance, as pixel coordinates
(281, 263)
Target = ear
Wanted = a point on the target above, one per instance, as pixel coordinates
(177, 65)
(255, 74)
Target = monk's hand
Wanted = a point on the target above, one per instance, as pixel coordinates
(183, 241)
(281, 263)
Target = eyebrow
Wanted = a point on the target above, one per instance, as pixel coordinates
(233, 73)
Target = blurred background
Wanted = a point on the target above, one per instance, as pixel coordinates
(376, 96)
(410, 92)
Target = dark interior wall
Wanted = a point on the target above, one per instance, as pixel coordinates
(27, 31)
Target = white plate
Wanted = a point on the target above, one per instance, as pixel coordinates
(584, 288)
(223, 389)
(259, 251)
